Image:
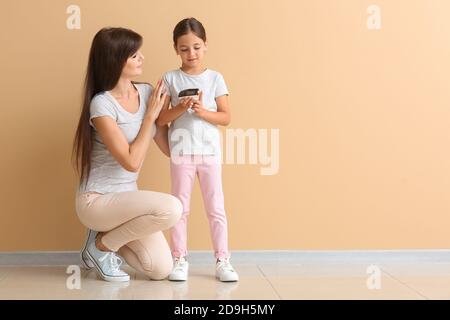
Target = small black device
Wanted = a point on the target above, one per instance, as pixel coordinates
(188, 92)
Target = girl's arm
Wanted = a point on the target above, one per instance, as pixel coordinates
(168, 115)
(223, 115)
(162, 140)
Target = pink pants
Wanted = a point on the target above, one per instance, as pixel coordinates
(209, 171)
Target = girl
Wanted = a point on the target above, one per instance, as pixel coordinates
(195, 144)
(114, 132)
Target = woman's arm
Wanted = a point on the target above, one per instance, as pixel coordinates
(223, 115)
(168, 115)
(131, 156)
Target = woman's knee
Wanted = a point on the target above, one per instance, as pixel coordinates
(173, 209)
(160, 269)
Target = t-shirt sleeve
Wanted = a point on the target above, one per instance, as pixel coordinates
(221, 87)
(101, 107)
(167, 83)
(148, 89)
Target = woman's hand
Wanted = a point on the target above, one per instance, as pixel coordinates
(156, 101)
(198, 106)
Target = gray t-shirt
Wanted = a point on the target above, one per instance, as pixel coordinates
(106, 174)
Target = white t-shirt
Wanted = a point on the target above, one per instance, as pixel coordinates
(190, 134)
(106, 174)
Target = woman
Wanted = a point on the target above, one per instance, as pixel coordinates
(116, 125)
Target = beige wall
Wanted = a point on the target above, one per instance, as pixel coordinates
(363, 118)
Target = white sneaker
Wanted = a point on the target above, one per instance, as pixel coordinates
(180, 270)
(225, 271)
(106, 263)
(87, 264)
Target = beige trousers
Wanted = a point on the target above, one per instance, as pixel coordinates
(133, 222)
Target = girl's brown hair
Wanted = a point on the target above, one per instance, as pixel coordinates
(188, 25)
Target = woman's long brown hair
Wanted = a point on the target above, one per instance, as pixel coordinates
(110, 49)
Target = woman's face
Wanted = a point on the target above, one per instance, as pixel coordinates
(191, 49)
(133, 66)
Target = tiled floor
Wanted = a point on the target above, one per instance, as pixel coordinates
(257, 281)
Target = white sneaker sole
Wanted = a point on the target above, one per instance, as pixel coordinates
(177, 278)
(87, 264)
(105, 276)
(227, 280)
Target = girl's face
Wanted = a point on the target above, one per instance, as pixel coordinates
(191, 49)
(133, 66)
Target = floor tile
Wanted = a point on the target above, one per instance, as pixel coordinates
(257, 282)
(338, 281)
(430, 279)
(202, 284)
(54, 283)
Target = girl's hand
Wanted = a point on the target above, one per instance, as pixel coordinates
(156, 101)
(185, 103)
(198, 106)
